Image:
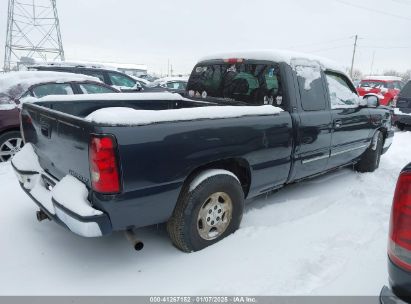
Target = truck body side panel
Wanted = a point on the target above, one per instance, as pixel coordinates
(157, 159)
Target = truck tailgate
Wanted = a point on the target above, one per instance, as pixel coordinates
(60, 141)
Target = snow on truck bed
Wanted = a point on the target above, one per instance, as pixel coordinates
(129, 116)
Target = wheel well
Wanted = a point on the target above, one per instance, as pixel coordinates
(238, 166)
(9, 130)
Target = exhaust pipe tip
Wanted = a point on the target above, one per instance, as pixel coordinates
(41, 216)
(138, 246)
(131, 236)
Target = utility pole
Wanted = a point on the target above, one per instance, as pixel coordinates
(372, 62)
(353, 55)
(33, 31)
(168, 67)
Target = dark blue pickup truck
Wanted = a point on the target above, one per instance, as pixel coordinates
(249, 123)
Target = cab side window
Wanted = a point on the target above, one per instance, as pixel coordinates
(397, 85)
(121, 80)
(342, 94)
(52, 89)
(311, 88)
(90, 88)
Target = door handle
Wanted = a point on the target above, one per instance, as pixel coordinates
(337, 123)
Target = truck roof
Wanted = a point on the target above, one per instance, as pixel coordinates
(290, 57)
(383, 78)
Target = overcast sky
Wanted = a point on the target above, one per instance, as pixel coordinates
(151, 32)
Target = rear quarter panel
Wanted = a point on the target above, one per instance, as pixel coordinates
(9, 119)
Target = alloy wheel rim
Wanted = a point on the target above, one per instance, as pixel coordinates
(10, 147)
(214, 216)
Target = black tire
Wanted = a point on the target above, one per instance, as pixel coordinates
(14, 139)
(401, 127)
(183, 226)
(370, 160)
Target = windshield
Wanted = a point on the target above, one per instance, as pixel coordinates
(251, 83)
(372, 84)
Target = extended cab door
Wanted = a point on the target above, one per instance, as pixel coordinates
(351, 132)
(313, 124)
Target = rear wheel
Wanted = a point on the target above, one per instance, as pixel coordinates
(370, 160)
(10, 144)
(206, 214)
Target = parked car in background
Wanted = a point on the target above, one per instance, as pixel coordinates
(402, 111)
(111, 77)
(149, 78)
(142, 81)
(171, 84)
(399, 243)
(386, 88)
(261, 120)
(16, 86)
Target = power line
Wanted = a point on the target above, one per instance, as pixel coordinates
(331, 48)
(385, 47)
(317, 43)
(374, 10)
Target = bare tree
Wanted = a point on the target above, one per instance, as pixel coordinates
(357, 74)
(407, 75)
(392, 72)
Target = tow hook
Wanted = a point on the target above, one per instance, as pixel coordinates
(41, 216)
(131, 236)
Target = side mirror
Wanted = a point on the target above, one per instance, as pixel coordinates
(371, 101)
(138, 87)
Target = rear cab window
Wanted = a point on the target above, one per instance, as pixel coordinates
(248, 81)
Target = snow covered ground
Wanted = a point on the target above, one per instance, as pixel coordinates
(326, 236)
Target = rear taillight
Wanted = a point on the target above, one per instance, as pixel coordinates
(105, 177)
(399, 247)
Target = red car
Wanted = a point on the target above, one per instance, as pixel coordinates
(18, 85)
(386, 88)
(399, 244)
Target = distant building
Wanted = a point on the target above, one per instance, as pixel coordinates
(130, 68)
